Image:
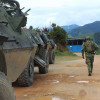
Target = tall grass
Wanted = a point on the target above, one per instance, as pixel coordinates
(66, 53)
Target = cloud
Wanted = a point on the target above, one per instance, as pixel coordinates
(40, 3)
(62, 12)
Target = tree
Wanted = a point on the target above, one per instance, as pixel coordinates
(37, 29)
(60, 36)
(53, 25)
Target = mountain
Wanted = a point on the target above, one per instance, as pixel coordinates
(85, 35)
(94, 36)
(97, 37)
(88, 28)
(68, 28)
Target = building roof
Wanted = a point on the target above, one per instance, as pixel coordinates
(72, 39)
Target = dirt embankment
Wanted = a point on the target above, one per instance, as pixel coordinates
(66, 80)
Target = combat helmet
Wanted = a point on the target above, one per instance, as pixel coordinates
(88, 38)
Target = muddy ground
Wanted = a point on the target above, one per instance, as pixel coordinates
(66, 80)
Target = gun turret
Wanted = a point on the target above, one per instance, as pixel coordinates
(22, 8)
(26, 12)
(12, 3)
(15, 17)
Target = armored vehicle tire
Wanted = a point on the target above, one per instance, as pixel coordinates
(44, 70)
(51, 56)
(6, 90)
(27, 76)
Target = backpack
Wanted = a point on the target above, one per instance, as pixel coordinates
(89, 46)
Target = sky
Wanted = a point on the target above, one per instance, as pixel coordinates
(62, 12)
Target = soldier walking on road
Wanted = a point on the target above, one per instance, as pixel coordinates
(89, 48)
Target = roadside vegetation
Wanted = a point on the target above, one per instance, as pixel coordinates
(65, 53)
(59, 35)
(98, 51)
(65, 56)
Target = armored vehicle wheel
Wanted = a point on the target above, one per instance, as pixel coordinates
(6, 90)
(27, 76)
(51, 56)
(44, 70)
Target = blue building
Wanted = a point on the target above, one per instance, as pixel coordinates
(75, 44)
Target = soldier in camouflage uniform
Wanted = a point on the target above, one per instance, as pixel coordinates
(89, 48)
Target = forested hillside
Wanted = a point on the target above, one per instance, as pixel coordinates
(88, 28)
(68, 28)
(97, 37)
(94, 36)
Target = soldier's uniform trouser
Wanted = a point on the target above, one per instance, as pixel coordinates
(89, 62)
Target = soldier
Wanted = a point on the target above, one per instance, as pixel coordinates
(89, 48)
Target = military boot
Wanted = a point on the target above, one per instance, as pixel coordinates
(89, 74)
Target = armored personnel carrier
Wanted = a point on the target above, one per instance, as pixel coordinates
(46, 49)
(52, 49)
(46, 37)
(42, 54)
(17, 49)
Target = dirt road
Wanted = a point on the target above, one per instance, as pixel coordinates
(66, 80)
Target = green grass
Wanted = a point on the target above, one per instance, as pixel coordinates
(66, 53)
(98, 51)
(66, 58)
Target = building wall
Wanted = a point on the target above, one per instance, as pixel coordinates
(75, 48)
(75, 45)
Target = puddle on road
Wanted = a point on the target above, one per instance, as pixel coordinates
(81, 81)
(45, 98)
(56, 82)
(25, 95)
(72, 76)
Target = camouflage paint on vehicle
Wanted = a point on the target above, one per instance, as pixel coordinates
(16, 45)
